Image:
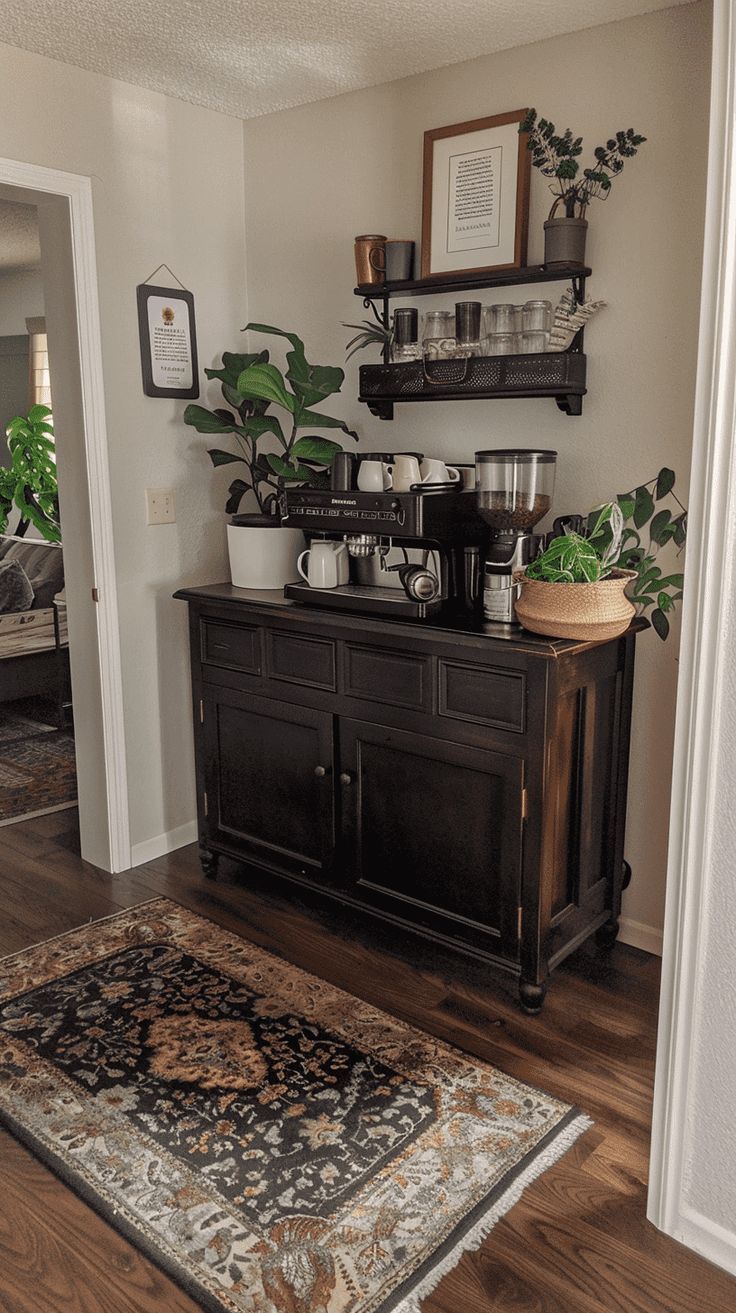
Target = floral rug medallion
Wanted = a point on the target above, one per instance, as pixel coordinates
(277, 1145)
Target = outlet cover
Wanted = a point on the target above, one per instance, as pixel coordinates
(160, 506)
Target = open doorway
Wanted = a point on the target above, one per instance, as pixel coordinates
(73, 679)
(37, 757)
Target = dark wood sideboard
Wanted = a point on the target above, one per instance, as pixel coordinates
(467, 787)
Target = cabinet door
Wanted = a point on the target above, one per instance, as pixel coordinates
(434, 832)
(269, 780)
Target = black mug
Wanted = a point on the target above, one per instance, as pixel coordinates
(342, 472)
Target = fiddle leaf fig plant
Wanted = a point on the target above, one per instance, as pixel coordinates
(29, 482)
(250, 385)
(626, 534)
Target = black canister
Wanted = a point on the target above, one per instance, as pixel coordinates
(342, 471)
(406, 326)
(467, 321)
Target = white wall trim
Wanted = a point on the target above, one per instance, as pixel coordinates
(706, 1237)
(703, 658)
(78, 191)
(150, 849)
(638, 935)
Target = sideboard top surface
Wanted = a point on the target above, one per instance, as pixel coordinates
(469, 629)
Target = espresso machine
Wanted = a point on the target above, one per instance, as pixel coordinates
(412, 554)
(514, 491)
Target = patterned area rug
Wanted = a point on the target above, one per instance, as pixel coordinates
(276, 1144)
(38, 771)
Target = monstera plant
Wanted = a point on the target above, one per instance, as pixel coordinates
(251, 385)
(28, 484)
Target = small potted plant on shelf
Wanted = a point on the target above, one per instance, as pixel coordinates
(262, 552)
(589, 585)
(556, 157)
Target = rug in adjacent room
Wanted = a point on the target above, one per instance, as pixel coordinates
(38, 770)
(277, 1145)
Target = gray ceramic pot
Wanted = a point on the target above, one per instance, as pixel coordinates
(564, 241)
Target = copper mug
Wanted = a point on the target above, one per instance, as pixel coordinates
(370, 259)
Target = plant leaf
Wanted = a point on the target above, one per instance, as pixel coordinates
(219, 457)
(237, 490)
(311, 383)
(209, 421)
(644, 507)
(317, 449)
(285, 470)
(661, 623)
(658, 527)
(665, 483)
(312, 419)
(266, 382)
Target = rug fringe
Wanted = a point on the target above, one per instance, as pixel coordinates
(474, 1238)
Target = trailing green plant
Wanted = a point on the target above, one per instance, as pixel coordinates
(625, 535)
(556, 157)
(250, 386)
(369, 334)
(29, 482)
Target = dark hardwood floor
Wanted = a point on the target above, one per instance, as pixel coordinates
(578, 1242)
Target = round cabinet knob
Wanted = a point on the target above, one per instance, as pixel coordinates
(320, 772)
(345, 778)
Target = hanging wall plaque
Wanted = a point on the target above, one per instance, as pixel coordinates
(168, 340)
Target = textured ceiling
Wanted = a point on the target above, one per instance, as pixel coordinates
(249, 57)
(19, 244)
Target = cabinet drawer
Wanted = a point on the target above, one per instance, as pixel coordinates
(236, 647)
(483, 695)
(381, 675)
(299, 660)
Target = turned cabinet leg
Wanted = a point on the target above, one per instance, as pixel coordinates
(209, 862)
(607, 934)
(531, 996)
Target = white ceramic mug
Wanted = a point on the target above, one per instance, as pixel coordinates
(435, 471)
(327, 564)
(404, 472)
(373, 476)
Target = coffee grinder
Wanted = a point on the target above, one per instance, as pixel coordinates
(514, 491)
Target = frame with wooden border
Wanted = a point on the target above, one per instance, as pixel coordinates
(521, 206)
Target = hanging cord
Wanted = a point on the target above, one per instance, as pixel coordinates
(170, 271)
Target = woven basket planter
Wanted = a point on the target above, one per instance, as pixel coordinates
(587, 612)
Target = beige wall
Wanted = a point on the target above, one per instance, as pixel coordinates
(167, 186)
(21, 298)
(317, 175)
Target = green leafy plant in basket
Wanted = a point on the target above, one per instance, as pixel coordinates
(29, 483)
(626, 534)
(250, 386)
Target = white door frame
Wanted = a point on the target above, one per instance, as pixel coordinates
(704, 652)
(77, 190)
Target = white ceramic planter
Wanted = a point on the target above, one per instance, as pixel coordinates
(263, 556)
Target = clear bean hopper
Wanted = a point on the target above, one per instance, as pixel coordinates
(514, 490)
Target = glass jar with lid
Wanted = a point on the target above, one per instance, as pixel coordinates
(536, 316)
(438, 335)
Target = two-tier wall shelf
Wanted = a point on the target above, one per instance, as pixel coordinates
(545, 374)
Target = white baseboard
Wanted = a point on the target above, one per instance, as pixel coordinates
(163, 843)
(638, 935)
(707, 1238)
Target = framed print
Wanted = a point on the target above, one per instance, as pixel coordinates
(168, 341)
(475, 205)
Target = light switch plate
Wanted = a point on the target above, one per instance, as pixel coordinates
(160, 506)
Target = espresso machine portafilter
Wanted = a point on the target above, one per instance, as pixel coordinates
(514, 491)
